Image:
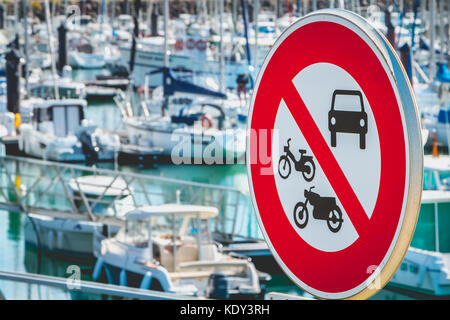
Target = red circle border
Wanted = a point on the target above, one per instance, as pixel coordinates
(329, 42)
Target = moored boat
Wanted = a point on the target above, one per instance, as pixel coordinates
(59, 132)
(169, 248)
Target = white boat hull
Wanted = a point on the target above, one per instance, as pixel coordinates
(63, 237)
(64, 149)
(86, 61)
(147, 61)
(187, 144)
(423, 273)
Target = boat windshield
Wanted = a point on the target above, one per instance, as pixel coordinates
(136, 231)
(48, 92)
(432, 227)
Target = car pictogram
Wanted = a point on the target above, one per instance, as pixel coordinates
(345, 121)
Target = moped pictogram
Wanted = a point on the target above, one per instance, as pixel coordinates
(305, 164)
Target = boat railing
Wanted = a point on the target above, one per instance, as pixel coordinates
(123, 104)
(42, 187)
(72, 287)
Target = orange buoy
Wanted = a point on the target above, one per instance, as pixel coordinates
(435, 148)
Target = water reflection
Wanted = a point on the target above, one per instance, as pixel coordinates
(14, 225)
(16, 256)
(60, 268)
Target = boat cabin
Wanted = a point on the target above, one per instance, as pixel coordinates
(210, 112)
(434, 218)
(66, 90)
(173, 233)
(60, 118)
(432, 227)
(85, 20)
(105, 195)
(172, 246)
(125, 22)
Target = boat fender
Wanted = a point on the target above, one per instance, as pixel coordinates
(146, 281)
(207, 121)
(97, 269)
(123, 278)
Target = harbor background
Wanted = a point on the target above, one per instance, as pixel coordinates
(17, 256)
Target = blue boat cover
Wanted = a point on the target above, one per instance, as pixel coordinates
(172, 84)
(442, 118)
(425, 45)
(187, 119)
(443, 74)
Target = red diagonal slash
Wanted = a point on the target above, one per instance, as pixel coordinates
(326, 159)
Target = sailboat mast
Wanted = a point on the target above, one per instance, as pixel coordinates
(102, 12)
(50, 45)
(432, 68)
(25, 26)
(166, 25)
(247, 45)
(423, 7)
(221, 57)
(448, 23)
(441, 31)
(255, 50)
(234, 14)
(149, 15)
(16, 13)
(113, 12)
(53, 9)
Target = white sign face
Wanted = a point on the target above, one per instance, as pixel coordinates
(345, 135)
(316, 92)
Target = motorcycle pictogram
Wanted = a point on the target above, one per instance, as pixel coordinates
(324, 208)
(305, 164)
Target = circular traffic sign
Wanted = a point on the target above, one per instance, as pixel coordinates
(334, 155)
